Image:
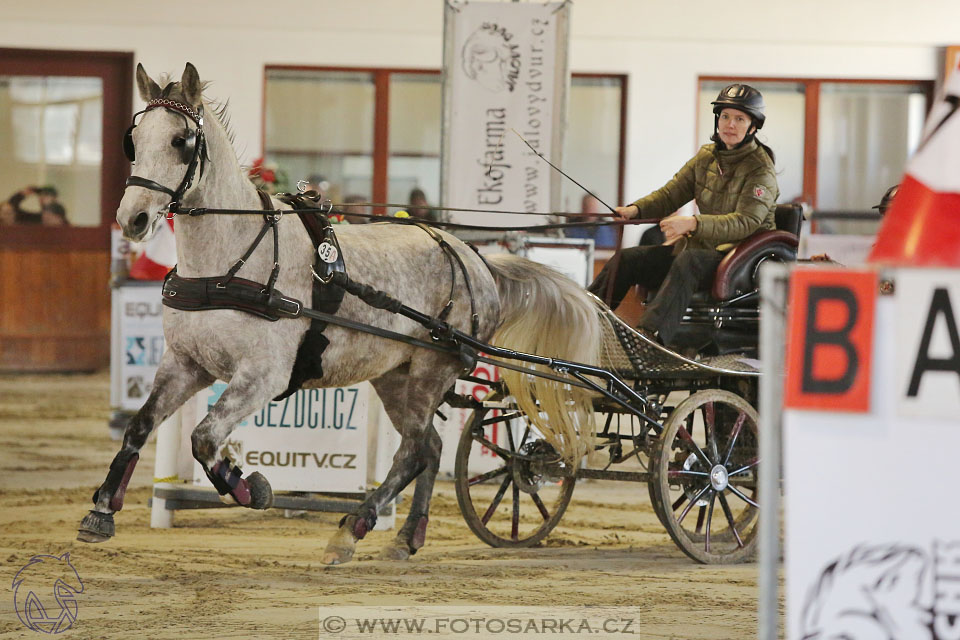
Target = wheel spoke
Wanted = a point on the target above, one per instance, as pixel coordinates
(735, 432)
(513, 446)
(740, 495)
(542, 507)
(700, 514)
(679, 501)
(688, 439)
(489, 475)
(676, 473)
(515, 526)
(750, 465)
(526, 432)
(496, 499)
(710, 426)
(729, 514)
(706, 538)
(693, 501)
(503, 417)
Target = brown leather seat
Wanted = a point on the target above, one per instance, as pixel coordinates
(738, 271)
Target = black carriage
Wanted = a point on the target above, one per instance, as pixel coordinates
(685, 426)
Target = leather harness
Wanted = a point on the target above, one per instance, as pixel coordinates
(265, 301)
(329, 285)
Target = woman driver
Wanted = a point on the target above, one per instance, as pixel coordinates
(734, 185)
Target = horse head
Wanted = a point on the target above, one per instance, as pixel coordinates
(168, 149)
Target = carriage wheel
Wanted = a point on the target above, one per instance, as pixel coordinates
(509, 501)
(704, 477)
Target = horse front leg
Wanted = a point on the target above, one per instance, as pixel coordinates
(178, 379)
(249, 389)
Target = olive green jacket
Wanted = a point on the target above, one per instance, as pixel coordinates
(735, 190)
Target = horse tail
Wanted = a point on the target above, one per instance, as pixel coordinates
(546, 313)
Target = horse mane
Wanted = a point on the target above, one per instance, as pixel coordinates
(219, 108)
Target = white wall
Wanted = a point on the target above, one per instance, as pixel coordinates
(662, 46)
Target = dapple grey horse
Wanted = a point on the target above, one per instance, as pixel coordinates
(539, 309)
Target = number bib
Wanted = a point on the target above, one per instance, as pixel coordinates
(327, 252)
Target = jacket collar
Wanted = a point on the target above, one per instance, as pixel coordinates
(735, 155)
(727, 158)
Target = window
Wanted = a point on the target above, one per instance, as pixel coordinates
(593, 144)
(375, 135)
(866, 134)
(62, 116)
(56, 126)
(321, 125)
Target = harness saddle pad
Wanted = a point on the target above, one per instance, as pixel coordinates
(327, 296)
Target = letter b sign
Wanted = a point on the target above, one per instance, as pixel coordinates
(830, 329)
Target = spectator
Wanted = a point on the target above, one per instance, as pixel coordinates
(8, 215)
(351, 206)
(603, 236)
(418, 207)
(53, 215)
(51, 212)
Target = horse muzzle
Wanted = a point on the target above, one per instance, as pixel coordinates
(136, 226)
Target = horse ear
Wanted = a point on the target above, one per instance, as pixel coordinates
(190, 84)
(148, 88)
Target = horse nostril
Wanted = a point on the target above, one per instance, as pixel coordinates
(140, 223)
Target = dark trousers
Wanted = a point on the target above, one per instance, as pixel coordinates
(677, 276)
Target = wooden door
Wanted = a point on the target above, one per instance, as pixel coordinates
(62, 116)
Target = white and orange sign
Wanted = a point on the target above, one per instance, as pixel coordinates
(830, 333)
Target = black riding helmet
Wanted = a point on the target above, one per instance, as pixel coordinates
(742, 97)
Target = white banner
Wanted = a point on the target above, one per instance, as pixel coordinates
(139, 314)
(928, 343)
(506, 68)
(314, 440)
(872, 532)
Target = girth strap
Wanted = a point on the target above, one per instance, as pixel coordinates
(326, 296)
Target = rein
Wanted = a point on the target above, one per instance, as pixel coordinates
(202, 211)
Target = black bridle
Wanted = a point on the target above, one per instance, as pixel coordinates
(193, 149)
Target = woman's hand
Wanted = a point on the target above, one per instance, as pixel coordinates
(627, 212)
(675, 227)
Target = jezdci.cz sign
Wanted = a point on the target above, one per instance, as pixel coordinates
(313, 440)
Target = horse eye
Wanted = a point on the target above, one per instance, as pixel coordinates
(178, 142)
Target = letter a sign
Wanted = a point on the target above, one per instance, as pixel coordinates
(830, 333)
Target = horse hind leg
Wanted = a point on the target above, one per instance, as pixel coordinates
(410, 397)
(354, 527)
(413, 533)
(247, 391)
(177, 379)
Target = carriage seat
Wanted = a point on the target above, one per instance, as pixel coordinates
(737, 273)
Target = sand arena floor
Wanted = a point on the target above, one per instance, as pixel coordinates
(236, 573)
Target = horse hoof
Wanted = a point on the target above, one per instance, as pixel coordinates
(337, 556)
(261, 495)
(396, 550)
(340, 548)
(96, 527)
